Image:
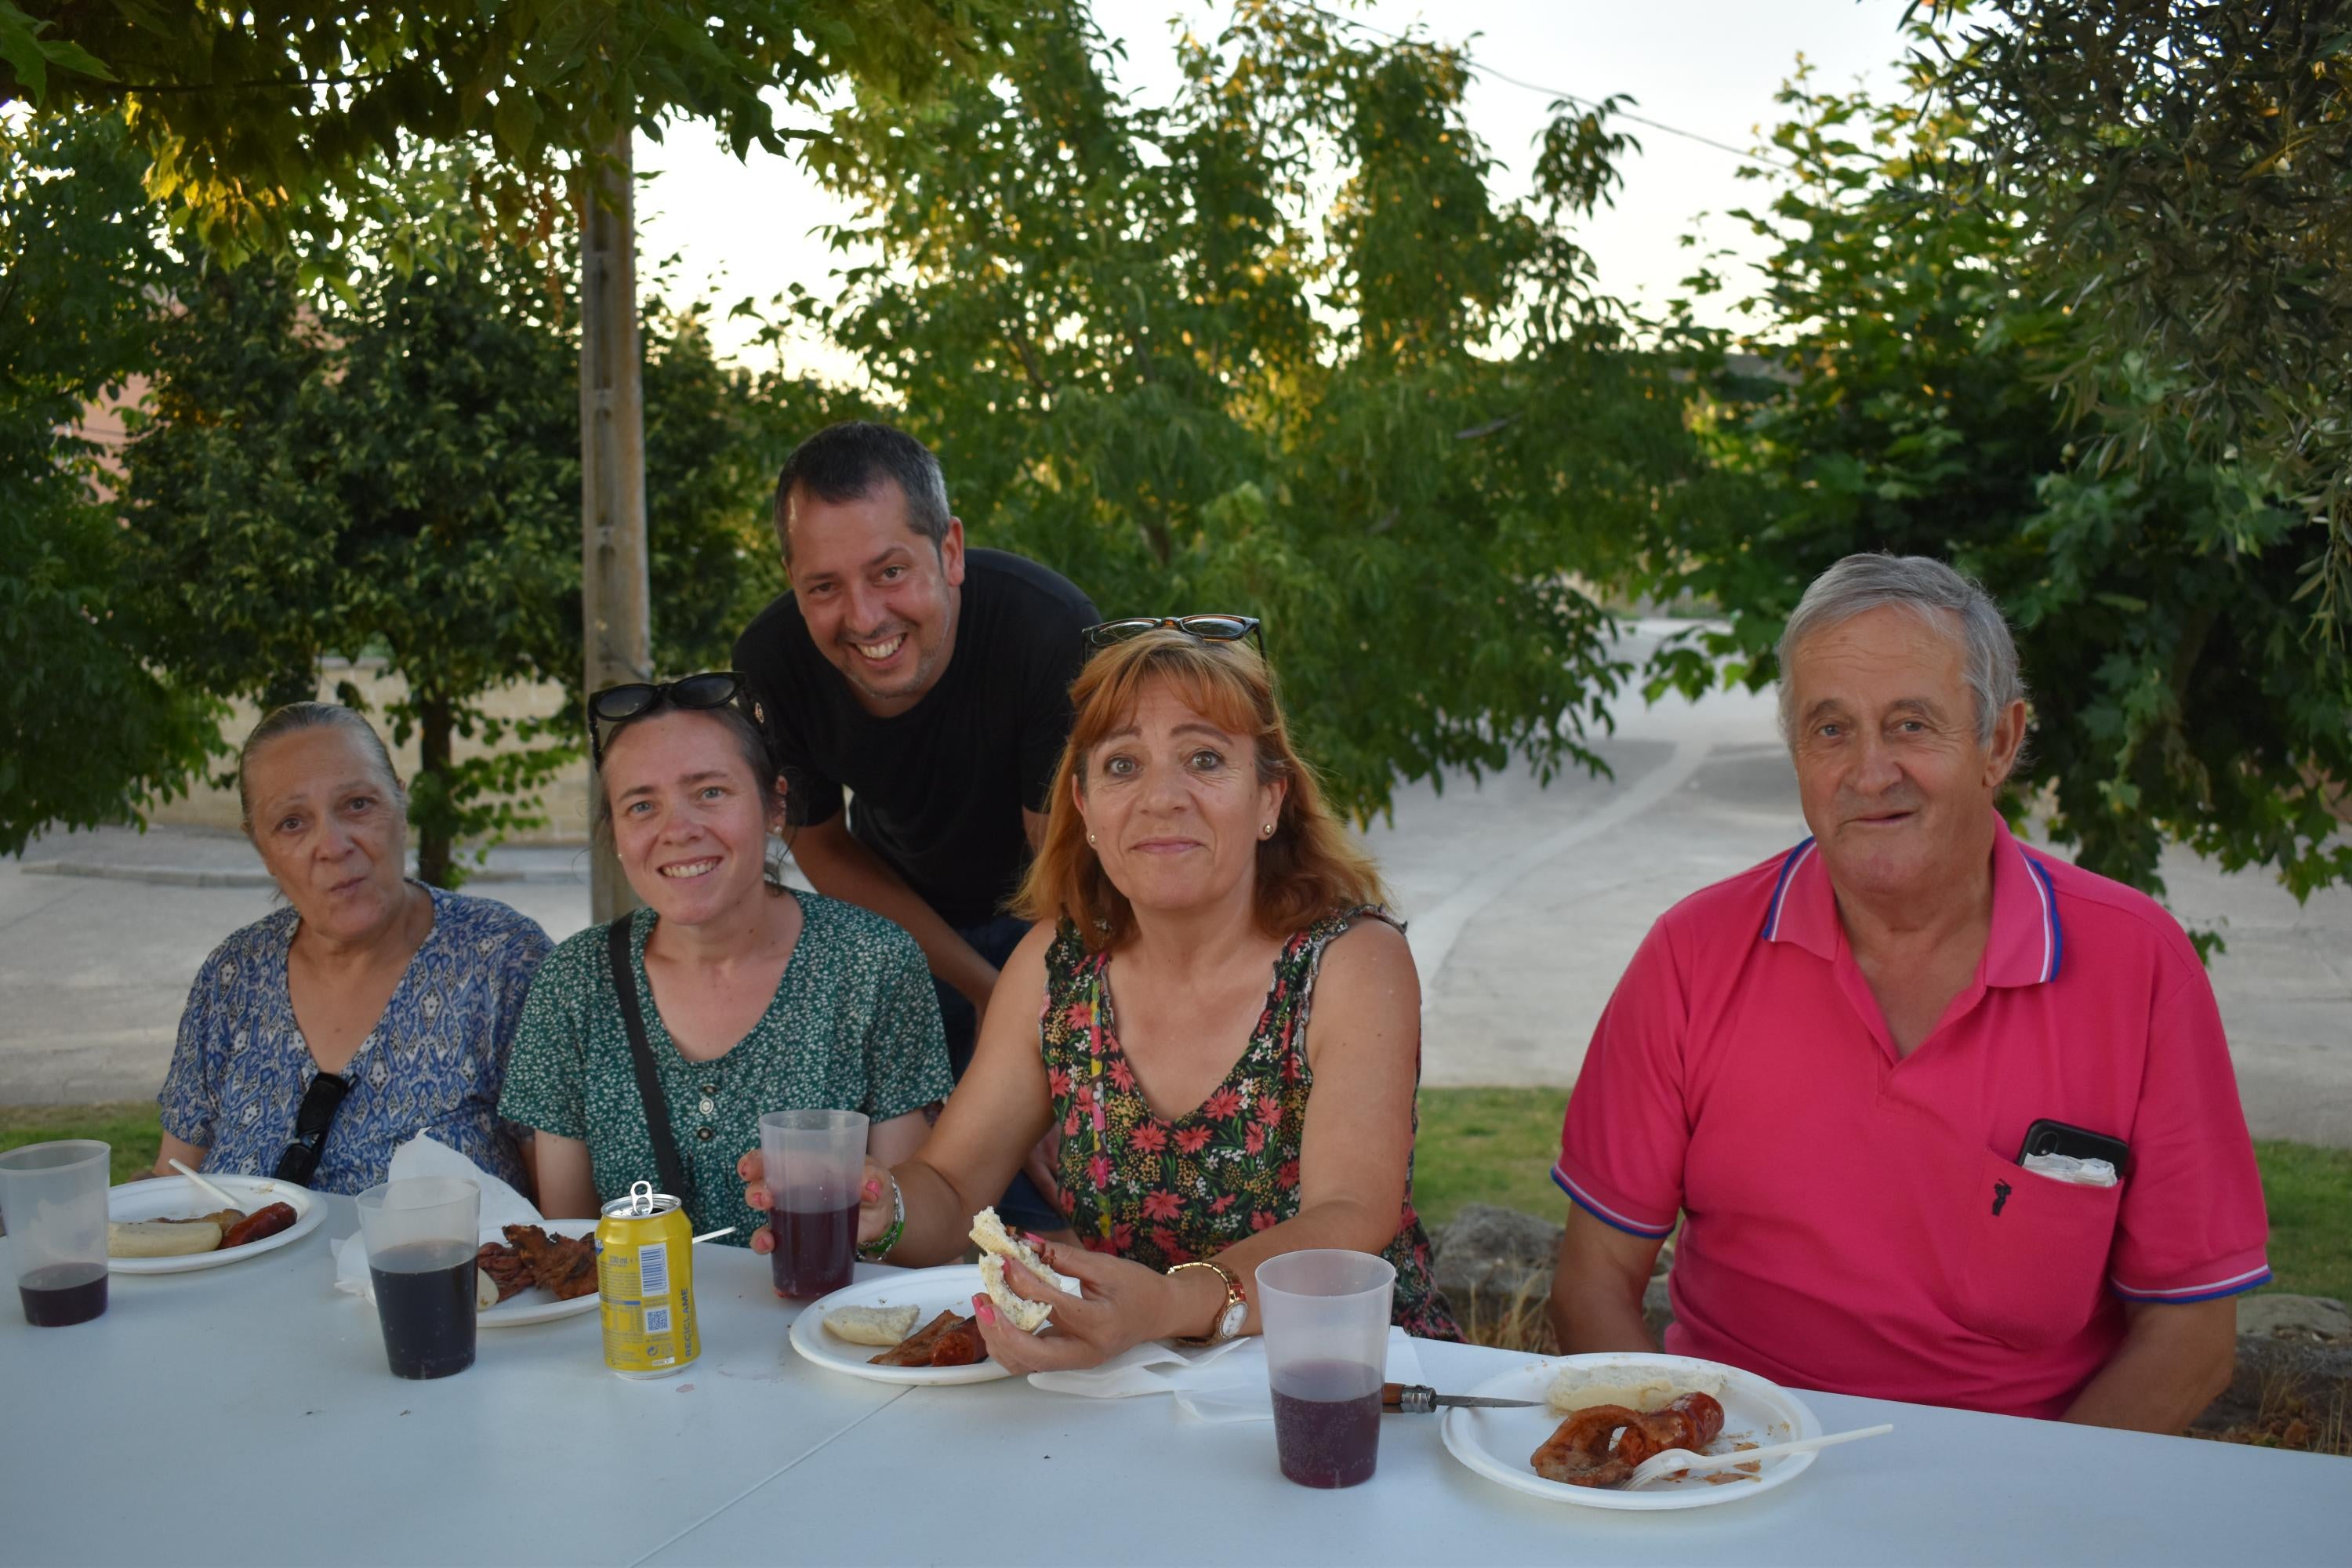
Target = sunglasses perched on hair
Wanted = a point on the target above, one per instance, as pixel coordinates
(1208, 628)
(311, 1120)
(619, 704)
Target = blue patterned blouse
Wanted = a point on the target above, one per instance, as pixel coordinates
(435, 1060)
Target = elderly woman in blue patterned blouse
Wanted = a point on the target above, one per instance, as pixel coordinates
(369, 1009)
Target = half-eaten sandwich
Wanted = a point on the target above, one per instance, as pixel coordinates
(996, 1245)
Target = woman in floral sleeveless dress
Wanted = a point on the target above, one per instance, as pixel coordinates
(1163, 1191)
(1210, 1012)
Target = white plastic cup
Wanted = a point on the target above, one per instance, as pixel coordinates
(813, 1162)
(421, 1236)
(53, 1202)
(1326, 1316)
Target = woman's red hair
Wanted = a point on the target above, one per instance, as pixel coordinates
(1309, 869)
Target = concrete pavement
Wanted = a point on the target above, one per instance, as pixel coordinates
(1525, 904)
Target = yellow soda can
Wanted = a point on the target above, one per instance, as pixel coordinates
(644, 1272)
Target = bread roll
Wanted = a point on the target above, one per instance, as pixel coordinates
(162, 1238)
(872, 1325)
(988, 1233)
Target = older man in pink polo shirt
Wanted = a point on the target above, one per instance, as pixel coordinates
(1828, 1066)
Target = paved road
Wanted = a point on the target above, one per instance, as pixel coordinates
(1526, 902)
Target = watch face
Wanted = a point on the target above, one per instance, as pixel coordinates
(1229, 1324)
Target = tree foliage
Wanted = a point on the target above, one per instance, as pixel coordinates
(1910, 409)
(88, 729)
(288, 132)
(2189, 167)
(1393, 419)
(397, 475)
(266, 121)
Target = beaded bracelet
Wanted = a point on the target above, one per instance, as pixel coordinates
(876, 1250)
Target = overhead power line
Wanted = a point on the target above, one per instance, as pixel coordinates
(1558, 93)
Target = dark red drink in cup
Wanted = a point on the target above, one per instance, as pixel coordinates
(424, 1301)
(815, 1248)
(63, 1294)
(53, 1205)
(813, 1164)
(421, 1233)
(1326, 1316)
(1327, 1421)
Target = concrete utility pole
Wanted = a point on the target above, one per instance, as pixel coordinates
(616, 599)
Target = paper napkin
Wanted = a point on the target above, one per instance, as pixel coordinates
(1210, 1384)
(424, 1156)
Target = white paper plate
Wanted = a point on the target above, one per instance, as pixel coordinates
(176, 1197)
(535, 1305)
(929, 1290)
(1498, 1444)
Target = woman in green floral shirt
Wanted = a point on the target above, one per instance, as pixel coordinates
(755, 997)
(1228, 1034)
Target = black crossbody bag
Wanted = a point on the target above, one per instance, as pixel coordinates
(667, 1164)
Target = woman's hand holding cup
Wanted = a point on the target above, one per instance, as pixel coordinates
(874, 1206)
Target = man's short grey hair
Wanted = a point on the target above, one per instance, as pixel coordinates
(1925, 585)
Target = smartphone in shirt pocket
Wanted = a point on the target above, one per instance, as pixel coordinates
(2048, 1137)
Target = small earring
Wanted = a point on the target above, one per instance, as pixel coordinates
(1266, 832)
(1090, 840)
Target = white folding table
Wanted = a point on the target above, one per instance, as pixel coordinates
(243, 1415)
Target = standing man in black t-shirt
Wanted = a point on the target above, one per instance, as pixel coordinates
(932, 683)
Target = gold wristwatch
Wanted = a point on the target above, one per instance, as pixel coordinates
(1236, 1308)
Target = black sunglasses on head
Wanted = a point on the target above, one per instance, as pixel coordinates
(311, 1120)
(1208, 628)
(617, 705)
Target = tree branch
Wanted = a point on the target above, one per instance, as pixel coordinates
(1027, 354)
(261, 85)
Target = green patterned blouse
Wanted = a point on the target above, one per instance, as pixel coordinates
(1161, 1191)
(855, 1026)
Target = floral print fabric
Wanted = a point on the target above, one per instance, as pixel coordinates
(1161, 1191)
(854, 1026)
(433, 1063)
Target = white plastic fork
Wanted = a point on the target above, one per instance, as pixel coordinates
(1681, 1461)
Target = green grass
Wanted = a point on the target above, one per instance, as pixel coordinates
(1488, 1146)
(2309, 1191)
(129, 1126)
(1495, 1146)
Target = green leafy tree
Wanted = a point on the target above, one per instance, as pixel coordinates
(716, 435)
(1393, 420)
(1910, 409)
(286, 131)
(397, 475)
(269, 123)
(88, 727)
(2189, 164)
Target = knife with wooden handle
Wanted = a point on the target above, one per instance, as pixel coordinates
(1418, 1399)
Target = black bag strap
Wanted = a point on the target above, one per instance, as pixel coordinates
(667, 1164)
(300, 1163)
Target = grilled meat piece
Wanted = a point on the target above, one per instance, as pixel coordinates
(505, 1268)
(564, 1266)
(1600, 1447)
(922, 1347)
